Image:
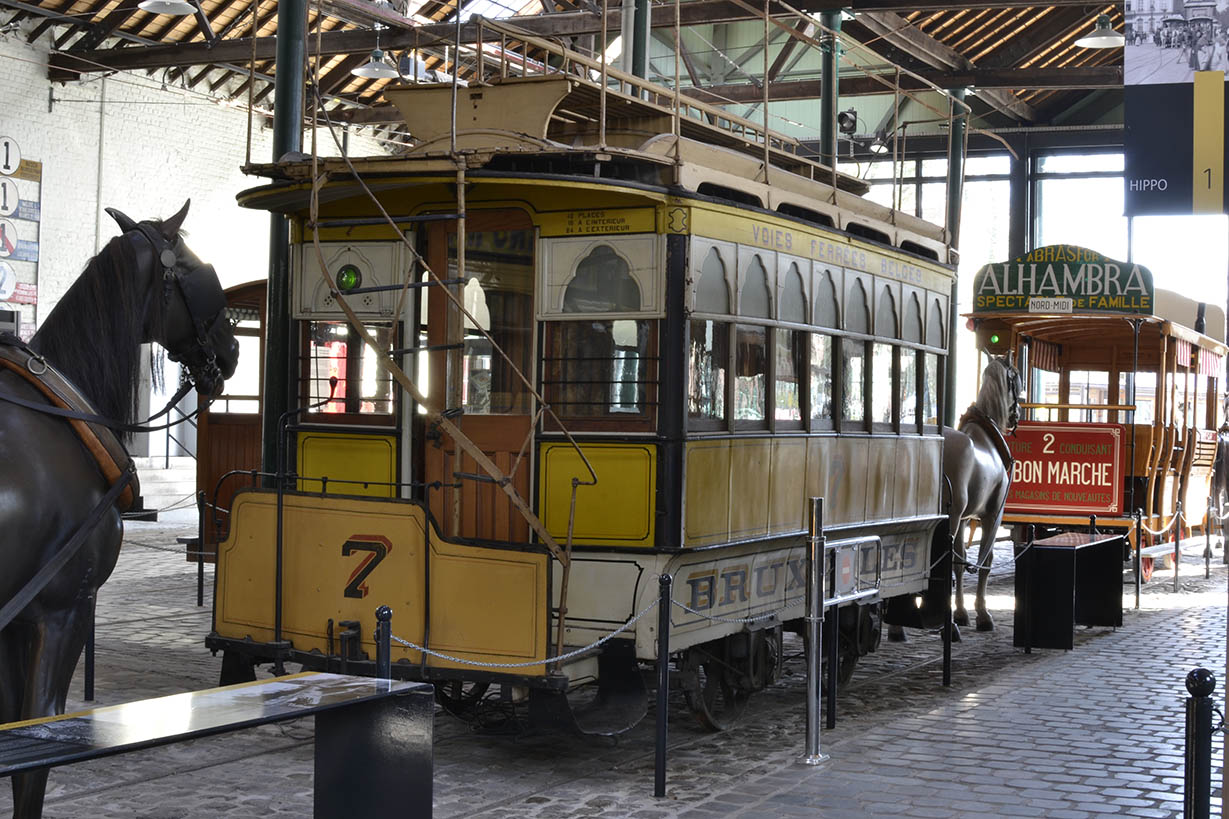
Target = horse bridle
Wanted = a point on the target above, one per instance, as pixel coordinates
(206, 306)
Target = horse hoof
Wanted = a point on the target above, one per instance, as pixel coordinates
(896, 634)
(960, 617)
(985, 622)
(956, 632)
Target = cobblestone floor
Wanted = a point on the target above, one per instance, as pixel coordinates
(1097, 730)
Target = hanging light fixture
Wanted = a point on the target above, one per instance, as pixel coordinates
(375, 68)
(1103, 36)
(174, 8)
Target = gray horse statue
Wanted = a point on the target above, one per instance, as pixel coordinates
(977, 466)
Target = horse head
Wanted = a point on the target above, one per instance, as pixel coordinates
(189, 320)
(1001, 387)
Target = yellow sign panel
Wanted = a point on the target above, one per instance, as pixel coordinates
(618, 511)
(344, 557)
(604, 221)
(355, 464)
(771, 234)
(1208, 185)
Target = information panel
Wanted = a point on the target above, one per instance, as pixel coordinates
(1067, 468)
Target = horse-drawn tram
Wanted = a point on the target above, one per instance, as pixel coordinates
(1122, 384)
(604, 349)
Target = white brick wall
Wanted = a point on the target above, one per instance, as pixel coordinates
(127, 143)
(157, 148)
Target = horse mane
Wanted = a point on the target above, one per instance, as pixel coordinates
(994, 397)
(94, 334)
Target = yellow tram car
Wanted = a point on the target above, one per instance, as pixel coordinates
(1123, 395)
(712, 339)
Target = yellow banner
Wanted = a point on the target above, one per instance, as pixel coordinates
(1208, 167)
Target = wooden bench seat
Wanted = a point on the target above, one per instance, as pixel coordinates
(373, 737)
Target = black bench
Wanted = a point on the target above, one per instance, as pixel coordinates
(373, 737)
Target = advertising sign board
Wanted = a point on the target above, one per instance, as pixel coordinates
(1067, 468)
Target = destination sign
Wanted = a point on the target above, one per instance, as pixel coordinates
(1067, 468)
(1063, 279)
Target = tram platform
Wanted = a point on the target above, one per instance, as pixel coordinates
(1097, 730)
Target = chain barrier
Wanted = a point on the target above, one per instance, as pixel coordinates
(1179, 516)
(556, 659)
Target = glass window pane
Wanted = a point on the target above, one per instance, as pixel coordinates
(755, 300)
(930, 390)
(1080, 163)
(603, 284)
(1065, 218)
(712, 293)
(708, 359)
(793, 300)
(881, 384)
(853, 371)
(594, 369)
(335, 350)
(821, 377)
(242, 388)
(908, 388)
(751, 372)
(790, 359)
(1088, 387)
(1044, 391)
(975, 165)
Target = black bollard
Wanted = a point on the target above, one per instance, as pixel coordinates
(384, 634)
(1207, 540)
(1198, 786)
(663, 682)
(200, 548)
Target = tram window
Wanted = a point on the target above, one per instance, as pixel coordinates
(821, 381)
(790, 366)
(363, 388)
(708, 355)
(853, 377)
(1145, 398)
(1088, 387)
(1044, 388)
(242, 391)
(930, 390)
(908, 390)
(750, 374)
(600, 370)
(882, 385)
(1201, 403)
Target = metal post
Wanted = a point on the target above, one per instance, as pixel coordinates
(89, 653)
(1139, 561)
(200, 548)
(287, 136)
(663, 682)
(830, 59)
(948, 625)
(1178, 521)
(814, 619)
(1207, 542)
(1197, 793)
(383, 637)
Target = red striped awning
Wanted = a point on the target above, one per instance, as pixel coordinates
(1209, 363)
(1182, 350)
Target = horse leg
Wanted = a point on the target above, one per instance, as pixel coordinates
(54, 647)
(896, 634)
(12, 681)
(985, 556)
(959, 556)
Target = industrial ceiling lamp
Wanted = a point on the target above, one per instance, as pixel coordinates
(1103, 36)
(174, 8)
(375, 68)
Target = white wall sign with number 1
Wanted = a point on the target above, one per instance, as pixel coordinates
(10, 156)
(9, 197)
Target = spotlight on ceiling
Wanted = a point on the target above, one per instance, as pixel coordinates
(1103, 36)
(847, 121)
(375, 68)
(174, 8)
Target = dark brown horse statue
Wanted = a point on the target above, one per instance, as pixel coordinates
(56, 499)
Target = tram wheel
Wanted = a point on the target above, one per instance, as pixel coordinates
(714, 700)
(459, 697)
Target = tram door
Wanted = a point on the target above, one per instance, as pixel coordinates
(497, 405)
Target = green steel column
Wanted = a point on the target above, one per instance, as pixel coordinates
(955, 184)
(640, 39)
(830, 62)
(287, 136)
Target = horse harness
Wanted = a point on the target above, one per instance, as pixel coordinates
(103, 444)
(977, 417)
